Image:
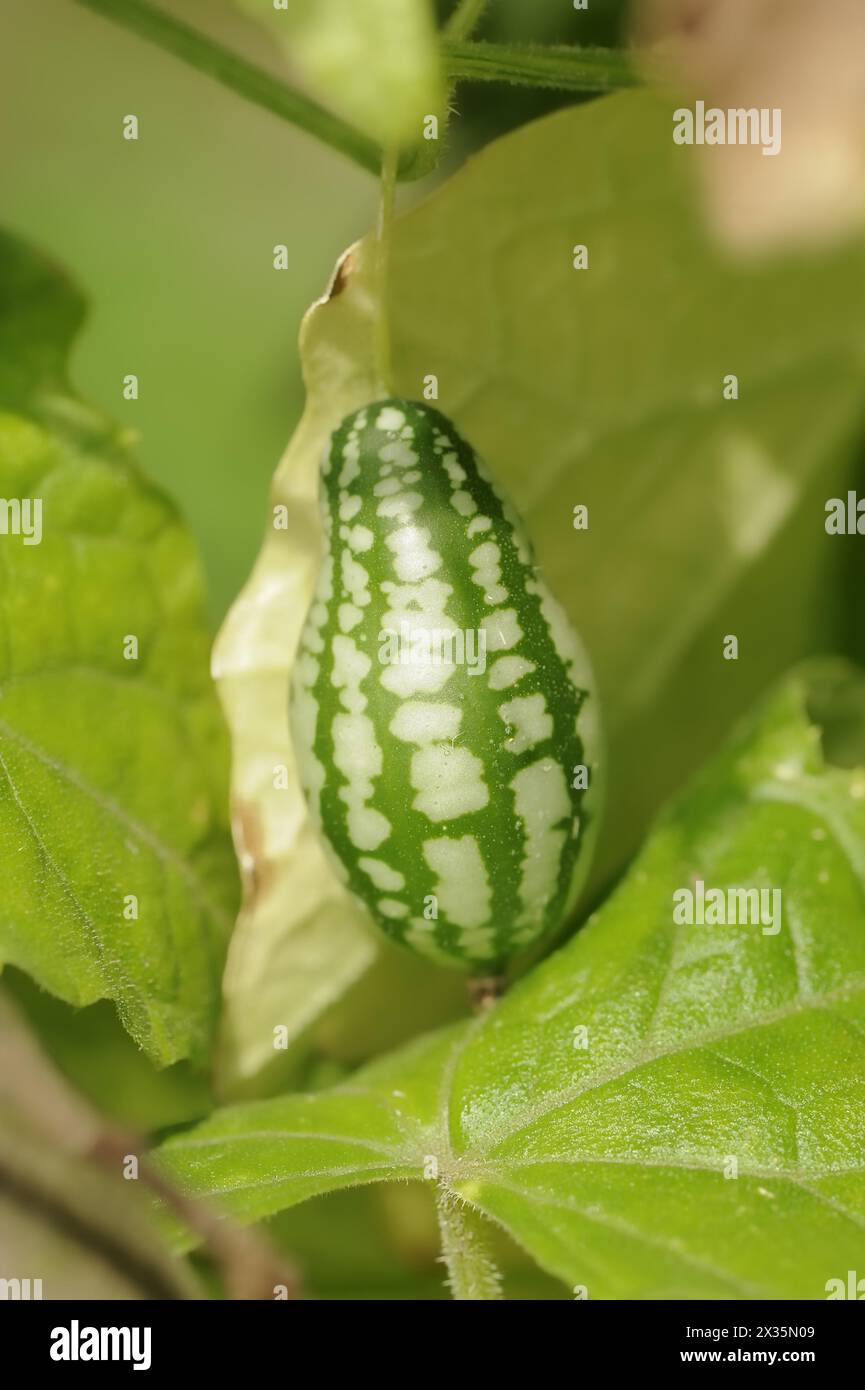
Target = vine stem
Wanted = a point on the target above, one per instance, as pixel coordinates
(245, 78)
(472, 1272)
(567, 69)
(383, 362)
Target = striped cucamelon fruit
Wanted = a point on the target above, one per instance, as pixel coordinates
(442, 705)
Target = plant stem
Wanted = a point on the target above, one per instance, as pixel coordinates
(566, 68)
(465, 19)
(249, 81)
(472, 1272)
(385, 221)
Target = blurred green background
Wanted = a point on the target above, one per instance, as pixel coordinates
(171, 236)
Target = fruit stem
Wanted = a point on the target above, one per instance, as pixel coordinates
(485, 991)
(383, 249)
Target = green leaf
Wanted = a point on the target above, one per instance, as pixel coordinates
(601, 387)
(376, 63)
(707, 1141)
(112, 770)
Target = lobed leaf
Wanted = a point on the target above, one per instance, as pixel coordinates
(112, 771)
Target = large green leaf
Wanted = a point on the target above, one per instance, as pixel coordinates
(708, 1140)
(112, 770)
(601, 386)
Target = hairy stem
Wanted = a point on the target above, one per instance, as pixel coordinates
(465, 19)
(567, 69)
(472, 1272)
(249, 81)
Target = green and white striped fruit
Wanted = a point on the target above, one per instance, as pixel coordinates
(443, 709)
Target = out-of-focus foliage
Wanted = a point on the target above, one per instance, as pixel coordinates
(807, 77)
(67, 1217)
(376, 63)
(173, 236)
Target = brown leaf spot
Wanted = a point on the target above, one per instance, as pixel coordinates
(344, 269)
(257, 872)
